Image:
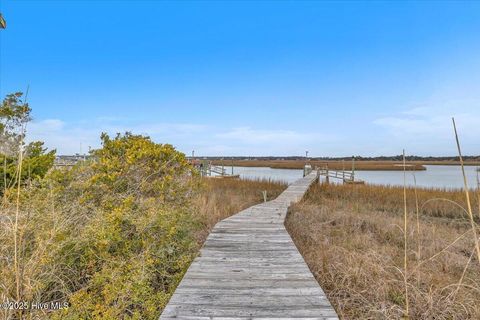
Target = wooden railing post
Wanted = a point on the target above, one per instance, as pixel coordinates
(353, 168)
(327, 179)
(307, 169)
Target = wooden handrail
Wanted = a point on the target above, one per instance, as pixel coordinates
(344, 175)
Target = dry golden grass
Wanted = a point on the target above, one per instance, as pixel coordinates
(333, 165)
(221, 198)
(45, 268)
(352, 239)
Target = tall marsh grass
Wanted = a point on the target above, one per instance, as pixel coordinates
(352, 238)
(220, 198)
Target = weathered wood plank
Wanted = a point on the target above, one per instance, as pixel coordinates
(249, 268)
(248, 318)
(278, 312)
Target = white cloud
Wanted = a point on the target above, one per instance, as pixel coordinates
(255, 136)
(47, 125)
(58, 135)
(433, 123)
(422, 130)
(205, 140)
(417, 111)
(261, 142)
(429, 129)
(69, 138)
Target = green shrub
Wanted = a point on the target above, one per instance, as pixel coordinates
(134, 247)
(113, 235)
(14, 116)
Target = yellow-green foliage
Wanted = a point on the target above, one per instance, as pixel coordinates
(113, 235)
(14, 116)
(133, 251)
(138, 166)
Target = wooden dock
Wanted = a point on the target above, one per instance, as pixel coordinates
(249, 268)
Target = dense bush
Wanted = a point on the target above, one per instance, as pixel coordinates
(138, 241)
(114, 235)
(111, 236)
(36, 161)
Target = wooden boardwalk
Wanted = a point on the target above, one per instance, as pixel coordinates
(249, 268)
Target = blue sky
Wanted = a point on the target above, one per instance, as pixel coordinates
(248, 78)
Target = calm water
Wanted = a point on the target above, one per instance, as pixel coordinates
(449, 177)
(285, 175)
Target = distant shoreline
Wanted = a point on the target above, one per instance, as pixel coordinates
(394, 163)
(360, 165)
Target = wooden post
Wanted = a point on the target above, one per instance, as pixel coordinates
(343, 171)
(232, 166)
(327, 179)
(264, 195)
(353, 168)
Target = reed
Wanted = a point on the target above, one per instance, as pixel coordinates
(15, 235)
(405, 235)
(417, 215)
(467, 193)
(350, 237)
(478, 191)
(220, 198)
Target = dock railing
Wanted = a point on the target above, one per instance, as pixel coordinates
(344, 175)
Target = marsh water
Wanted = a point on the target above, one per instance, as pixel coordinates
(448, 177)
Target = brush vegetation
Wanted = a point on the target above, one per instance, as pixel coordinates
(14, 116)
(352, 239)
(112, 236)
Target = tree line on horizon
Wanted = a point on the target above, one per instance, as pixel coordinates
(357, 158)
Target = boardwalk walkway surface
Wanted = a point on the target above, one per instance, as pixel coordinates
(249, 268)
